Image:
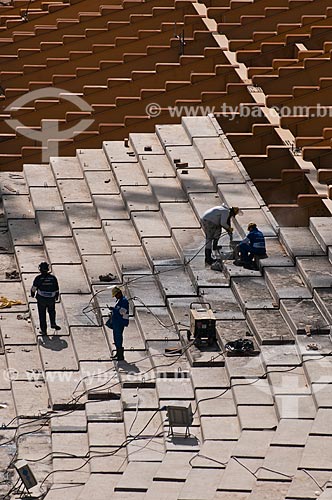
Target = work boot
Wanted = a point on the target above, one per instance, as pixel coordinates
(119, 354)
(215, 245)
(56, 327)
(208, 257)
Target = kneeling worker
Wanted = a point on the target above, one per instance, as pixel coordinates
(120, 319)
(213, 220)
(253, 244)
(46, 288)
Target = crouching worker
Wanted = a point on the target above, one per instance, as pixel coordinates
(252, 245)
(213, 221)
(45, 287)
(119, 320)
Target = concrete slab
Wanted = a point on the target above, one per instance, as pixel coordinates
(300, 242)
(223, 303)
(60, 318)
(71, 491)
(13, 290)
(137, 369)
(156, 166)
(53, 223)
(189, 242)
(292, 432)
(145, 398)
(317, 453)
(145, 143)
(172, 135)
(174, 281)
(130, 260)
(252, 293)
(230, 495)
(164, 490)
(137, 477)
(73, 305)
(264, 490)
(61, 251)
(316, 271)
(38, 175)
(294, 406)
(167, 190)
(223, 172)
(155, 324)
(317, 368)
(215, 403)
(74, 191)
(258, 393)
(7, 264)
(214, 455)
(323, 298)
(186, 154)
(92, 159)
(104, 411)
(99, 265)
(106, 433)
(209, 378)
(195, 181)
(217, 428)
(133, 338)
(24, 232)
(199, 126)
(71, 278)
(211, 148)
(179, 309)
(45, 198)
(321, 229)
(29, 258)
(304, 317)
(174, 388)
(138, 451)
(279, 355)
(171, 212)
(322, 423)
(237, 477)
(120, 233)
(72, 422)
(283, 461)
(91, 242)
(322, 394)
(270, 327)
(101, 182)
(74, 443)
(150, 421)
(161, 251)
(175, 467)
(200, 485)
(16, 332)
(203, 276)
(238, 195)
(286, 283)
(58, 354)
(150, 224)
(6, 245)
(129, 174)
(277, 256)
(90, 344)
(138, 198)
(146, 291)
(31, 398)
(110, 207)
(253, 443)
(18, 207)
(257, 417)
(23, 360)
(82, 215)
(71, 470)
(109, 461)
(303, 486)
(98, 483)
(257, 215)
(289, 382)
(66, 168)
(245, 368)
(201, 202)
(7, 409)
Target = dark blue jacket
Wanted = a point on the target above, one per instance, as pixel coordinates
(46, 286)
(256, 242)
(120, 316)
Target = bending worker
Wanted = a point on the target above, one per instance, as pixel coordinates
(120, 319)
(45, 287)
(253, 244)
(213, 220)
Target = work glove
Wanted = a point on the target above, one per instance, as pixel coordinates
(32, 294)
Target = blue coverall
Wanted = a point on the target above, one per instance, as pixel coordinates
(120, 319)
(253, 244)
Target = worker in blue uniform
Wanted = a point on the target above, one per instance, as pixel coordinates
(45, 287)
(119, 320)
(252, 245)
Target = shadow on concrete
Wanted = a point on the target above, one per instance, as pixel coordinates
(55, 343)
(128, 367)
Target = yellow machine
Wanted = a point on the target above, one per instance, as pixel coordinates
(202, 323)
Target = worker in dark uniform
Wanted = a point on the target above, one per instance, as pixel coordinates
(45, 287)
(119, 320)
(253, 244)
